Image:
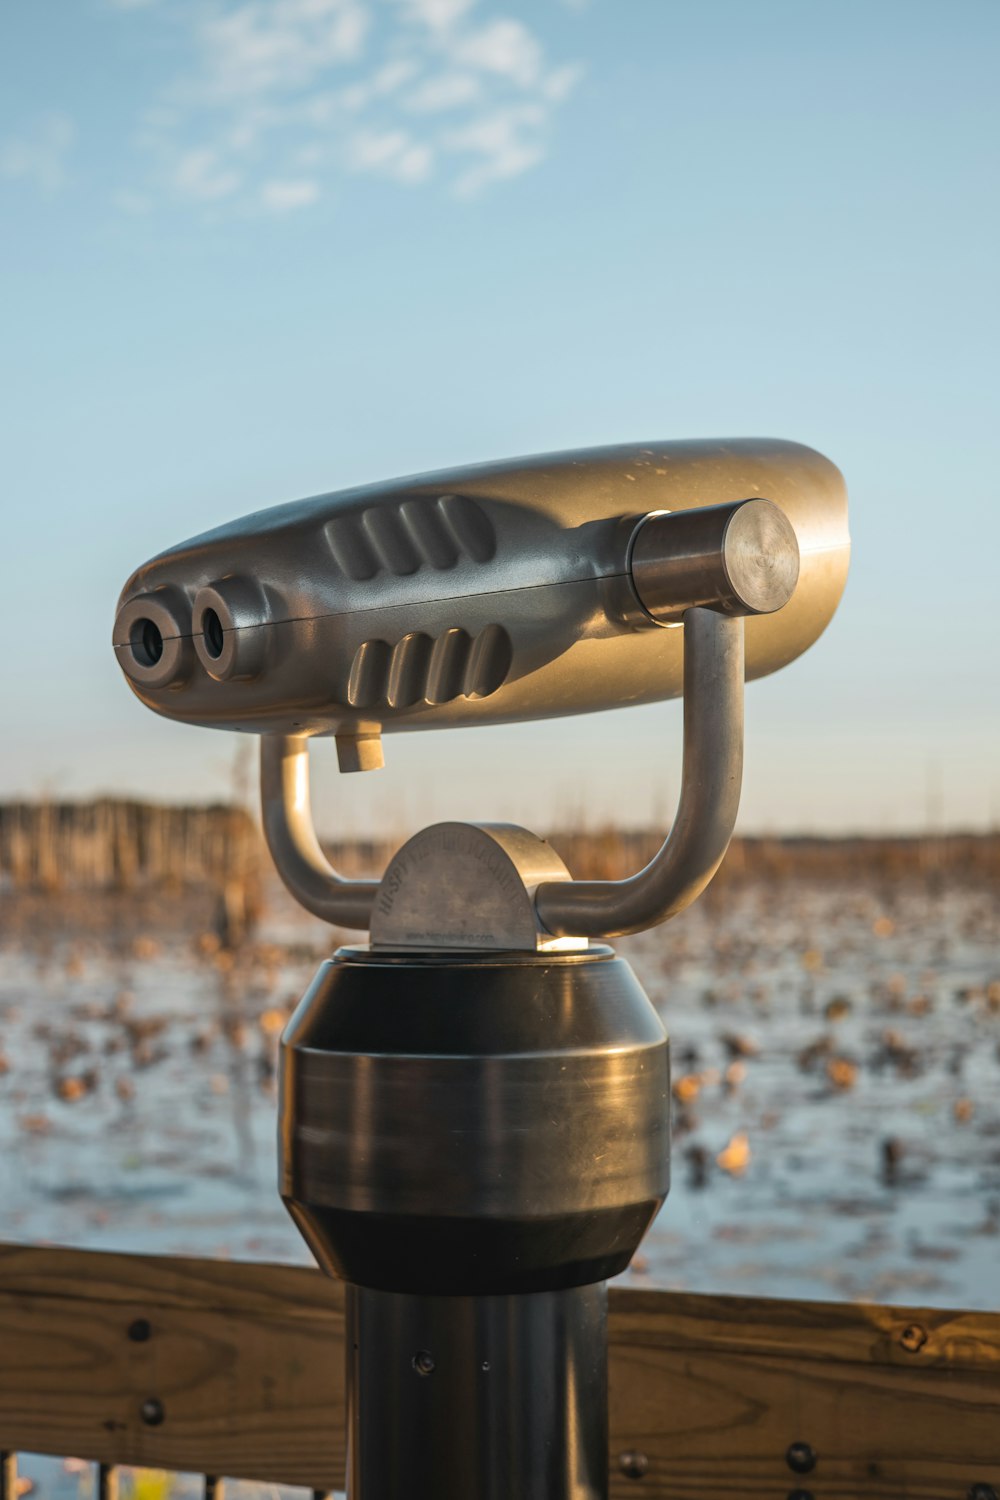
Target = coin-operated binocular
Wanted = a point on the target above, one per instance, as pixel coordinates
(474, 1106)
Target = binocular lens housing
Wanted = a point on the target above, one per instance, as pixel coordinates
(513, 591)
(155, 631)
(230, 617)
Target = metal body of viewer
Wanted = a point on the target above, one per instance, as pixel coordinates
(475, 1106)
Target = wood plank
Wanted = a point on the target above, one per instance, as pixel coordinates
(173, 1280)
(245, 1363)
(714, 1394)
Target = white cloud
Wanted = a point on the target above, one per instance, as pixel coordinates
(279, 96)
(386, 80)
(445, 91)
(201, 173)
(438, 14)
(560, 83)
(505, 144)
(39, 154)
(273, 46)
(393, 75)
(503, 46)
(279, 197)
(391, 153)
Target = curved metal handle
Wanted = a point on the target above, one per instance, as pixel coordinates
(706, 812)
(291, 837)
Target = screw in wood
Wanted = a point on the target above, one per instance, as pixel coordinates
(801, 1458)
(913, 1337)
(151, 1411)
(633, 1464)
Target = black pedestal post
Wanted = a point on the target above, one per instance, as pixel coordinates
(475, 1144)
(485, 1397)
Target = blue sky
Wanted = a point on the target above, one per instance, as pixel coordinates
(257, 249)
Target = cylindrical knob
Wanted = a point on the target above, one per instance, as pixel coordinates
(741, 558)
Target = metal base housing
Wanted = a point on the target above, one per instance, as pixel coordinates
(475, 1142)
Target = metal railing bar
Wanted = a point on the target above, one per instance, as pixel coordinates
(107, 1482)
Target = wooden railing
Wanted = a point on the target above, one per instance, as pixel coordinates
(232, 1369)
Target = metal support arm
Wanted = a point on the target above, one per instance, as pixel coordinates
(706, 813)
(291, 838)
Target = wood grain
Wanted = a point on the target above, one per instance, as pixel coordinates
(245, 1361)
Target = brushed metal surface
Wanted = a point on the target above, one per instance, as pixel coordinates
(448, 904)
(467, 885)
(711, 780)
(742, 558)
(368, 597)
(480, 1136)
(487, 1123)
(477, 1398)
(291, 837)
(528, 589)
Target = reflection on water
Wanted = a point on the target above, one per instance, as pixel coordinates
(836, 1110)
